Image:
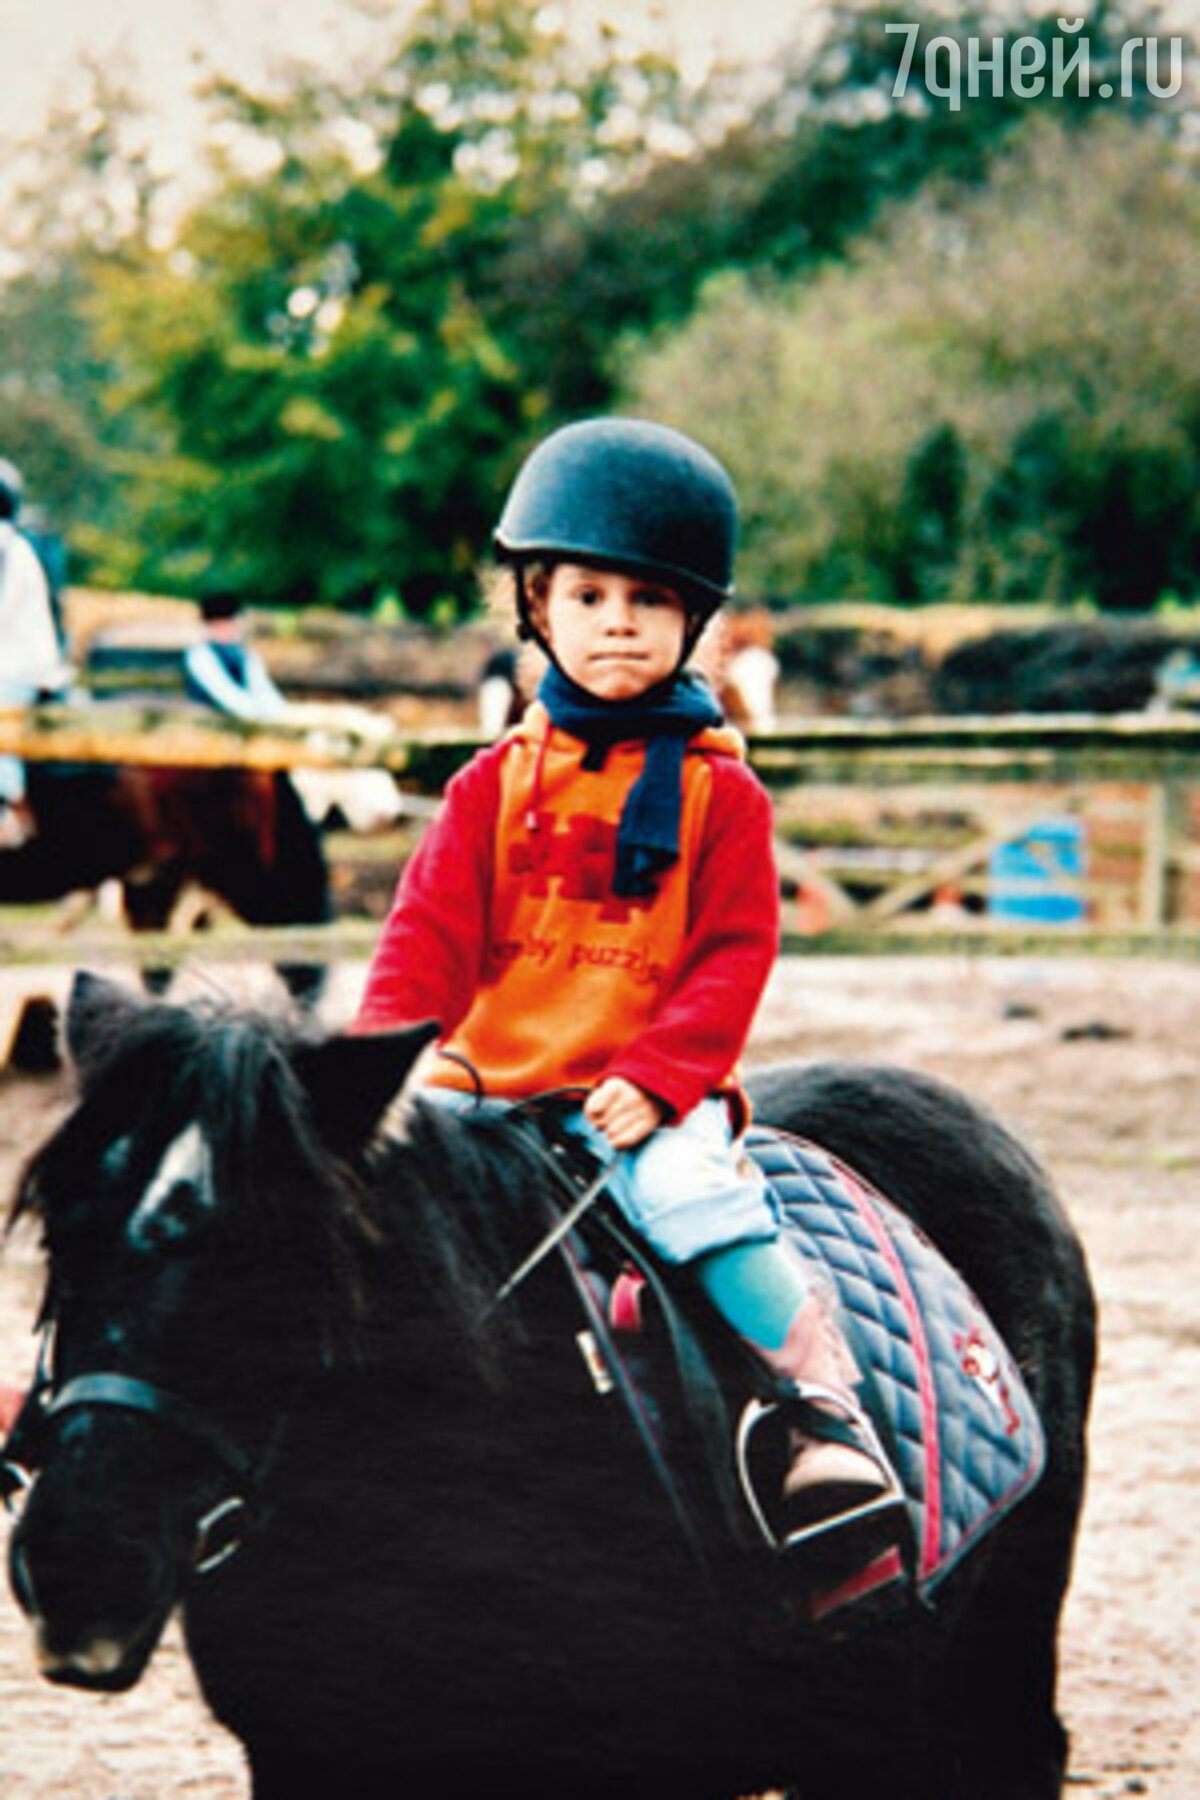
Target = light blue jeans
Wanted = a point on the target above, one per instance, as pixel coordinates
(688, 1188)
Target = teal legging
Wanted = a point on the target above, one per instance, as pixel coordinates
(757, 1286)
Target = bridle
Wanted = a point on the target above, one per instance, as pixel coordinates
(219, 1531)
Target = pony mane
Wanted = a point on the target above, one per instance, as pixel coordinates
(463, 1199)
(283, 1191)
(431, 1220)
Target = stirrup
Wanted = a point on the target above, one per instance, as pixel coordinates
(854, 1535)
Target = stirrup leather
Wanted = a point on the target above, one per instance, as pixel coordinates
(882, 1518)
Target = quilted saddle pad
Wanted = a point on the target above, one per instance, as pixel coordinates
(942, 1388)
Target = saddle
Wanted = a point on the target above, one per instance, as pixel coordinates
(939, 1386)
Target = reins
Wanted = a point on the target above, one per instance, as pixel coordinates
(534, 1111)
(581, 1204)
(702, 1396)
(558, 1237)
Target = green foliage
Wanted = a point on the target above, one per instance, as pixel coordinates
(996, 398)
(84, 199)
(785, 186)
(925, 340)
(334, 347)
(841, 139)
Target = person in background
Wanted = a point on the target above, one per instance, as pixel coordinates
(750, 673)
(499, 695)
(225, 671)
(31, 660)
(47, 540)
(596, 907)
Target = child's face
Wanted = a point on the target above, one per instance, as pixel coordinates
(615, 635)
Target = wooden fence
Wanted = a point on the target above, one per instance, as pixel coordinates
(1133, 782)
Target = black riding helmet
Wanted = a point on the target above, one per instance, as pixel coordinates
(630, 495)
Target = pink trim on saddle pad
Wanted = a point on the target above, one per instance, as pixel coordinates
(863, 1199)
(888, 1566)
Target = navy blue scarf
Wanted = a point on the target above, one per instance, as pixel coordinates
(648, 834)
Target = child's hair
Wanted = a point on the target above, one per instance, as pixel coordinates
(499, 584)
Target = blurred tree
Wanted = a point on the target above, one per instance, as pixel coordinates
(82, 196)
(998, 397)
(844, 134)
(333, 342)
(787, 169)
(932, 503)
(317, 384)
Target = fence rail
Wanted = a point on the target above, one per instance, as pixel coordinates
(1153, 761)
(23, 946)
(1005, 747)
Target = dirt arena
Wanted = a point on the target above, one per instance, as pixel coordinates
(1095, 1064)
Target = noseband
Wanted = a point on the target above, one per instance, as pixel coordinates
(23, 1455)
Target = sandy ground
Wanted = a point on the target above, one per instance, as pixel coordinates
(1095, 1065)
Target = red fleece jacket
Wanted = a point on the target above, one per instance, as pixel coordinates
(505, 928)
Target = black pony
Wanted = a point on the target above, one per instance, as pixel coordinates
(418, 1550)
(240, 833)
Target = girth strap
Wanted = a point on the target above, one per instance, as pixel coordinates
(576, 1173)
(703, 1397)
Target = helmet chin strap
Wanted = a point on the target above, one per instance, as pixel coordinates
(526, 629)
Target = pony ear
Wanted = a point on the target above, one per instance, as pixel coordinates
(97, 1009)
(351, 1081)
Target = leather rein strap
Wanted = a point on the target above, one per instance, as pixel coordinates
(703, 1398)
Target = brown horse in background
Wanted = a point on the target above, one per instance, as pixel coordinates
(241, 834)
